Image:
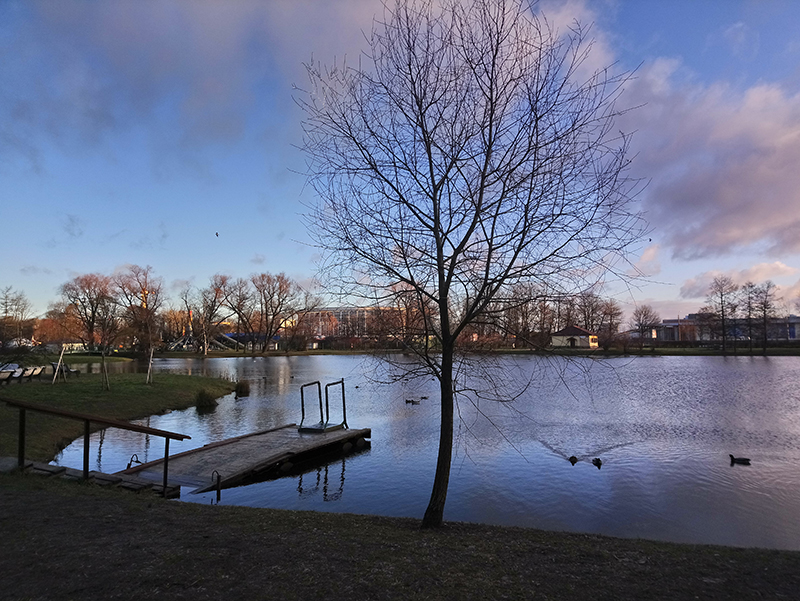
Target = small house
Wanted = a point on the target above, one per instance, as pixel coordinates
(574, 337)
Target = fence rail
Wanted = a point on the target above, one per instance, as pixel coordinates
(87, 421)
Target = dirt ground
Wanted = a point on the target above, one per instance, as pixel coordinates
(63, 540)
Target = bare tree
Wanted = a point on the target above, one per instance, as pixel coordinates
(15, 313)
(84, 298)
(643, 320)
(722, 300)
(239, 297)
(610, 320)
(140, 295)
(206, 307)
(748, 301)
(590, 310)
(766, 308)
(296, 326)
(278, 299)
(470, 150)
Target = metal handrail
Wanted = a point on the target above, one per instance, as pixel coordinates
(303, 402)
(324, 415)
(344, 408)
(87, 419)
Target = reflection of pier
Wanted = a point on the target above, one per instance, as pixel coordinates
(322, 480)
(259, 455)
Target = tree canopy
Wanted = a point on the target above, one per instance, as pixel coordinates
(471, 149)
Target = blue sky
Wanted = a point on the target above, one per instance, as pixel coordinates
(133, 132)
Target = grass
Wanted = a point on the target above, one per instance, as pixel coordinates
(73, 541)
(129, 398)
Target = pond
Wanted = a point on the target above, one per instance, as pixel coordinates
(663, 427)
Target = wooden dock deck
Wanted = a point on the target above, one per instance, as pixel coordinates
(236, 460)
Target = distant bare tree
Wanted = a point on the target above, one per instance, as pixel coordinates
(748, 301)
(84, 299)
(723, 302)
(15, 311)
(610, 320)
(140, 295)
(240, 297)
(296, 327)
(207, 308)
(278, 299)
(470, 150)
(766, 308)
(643, 320)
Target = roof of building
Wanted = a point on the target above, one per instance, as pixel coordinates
(573, 331)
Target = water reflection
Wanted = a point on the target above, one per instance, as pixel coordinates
(663, 428)
(322, 481)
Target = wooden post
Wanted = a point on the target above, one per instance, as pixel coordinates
(166, 465)
(150, 368)
(86, 449)
(58, 365)
(21, 441)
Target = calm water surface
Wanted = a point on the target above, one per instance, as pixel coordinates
(663, 427)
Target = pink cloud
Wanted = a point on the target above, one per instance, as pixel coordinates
(697, 287)
(722, 163)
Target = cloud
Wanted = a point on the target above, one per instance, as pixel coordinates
(188, 74)
(73, 226)
(34, 270)
(648, 264)
(743, 41)
(157, 239)
(722, 163)
(697, 287)
(179, 285)
(258, 259)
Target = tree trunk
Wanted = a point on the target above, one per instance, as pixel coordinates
(434, 514)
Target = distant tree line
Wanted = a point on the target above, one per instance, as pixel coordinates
(740, 315)
(130, 309)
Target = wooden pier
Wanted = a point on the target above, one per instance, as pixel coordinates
(231, 462)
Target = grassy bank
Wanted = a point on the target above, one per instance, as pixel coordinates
(129, 398)
(72, 541)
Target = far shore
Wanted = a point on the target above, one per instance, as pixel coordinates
(647, 351)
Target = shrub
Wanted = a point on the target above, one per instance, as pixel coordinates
(243, 388)
(205, 400)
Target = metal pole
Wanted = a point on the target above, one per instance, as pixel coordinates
(21, 440)
(166, 465)
(344, 409)
(327, 407)
(86, 449)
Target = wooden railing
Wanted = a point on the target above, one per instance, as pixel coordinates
(87, 420)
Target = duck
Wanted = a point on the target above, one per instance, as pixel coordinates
(573, 460)
(597, 462)
(412, 402)
(739, 460)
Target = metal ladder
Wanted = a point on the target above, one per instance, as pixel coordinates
(324, 424)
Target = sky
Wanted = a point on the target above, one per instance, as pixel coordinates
(165, 133)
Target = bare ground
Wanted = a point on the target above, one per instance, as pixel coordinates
(63, 540)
